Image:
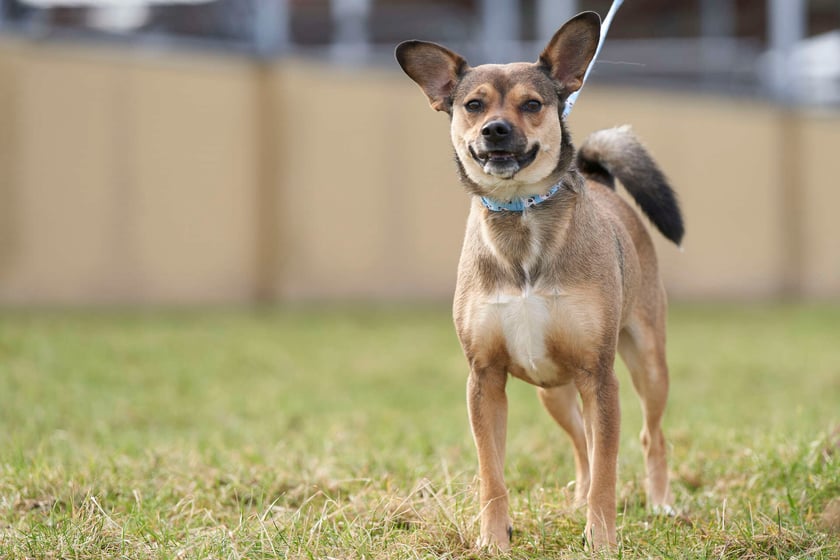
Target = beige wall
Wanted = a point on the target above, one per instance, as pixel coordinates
(131, 179)
(370, 204)
(722, 158)
(164, 178)
(820, 188)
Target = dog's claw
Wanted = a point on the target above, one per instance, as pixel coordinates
(510, 532)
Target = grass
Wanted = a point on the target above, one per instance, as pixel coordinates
(342, 434)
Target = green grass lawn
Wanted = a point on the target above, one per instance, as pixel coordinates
(343, 434)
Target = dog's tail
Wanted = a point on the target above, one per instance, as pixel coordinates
(616, 153)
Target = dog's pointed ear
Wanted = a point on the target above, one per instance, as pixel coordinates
(570, 51)
(436, 70)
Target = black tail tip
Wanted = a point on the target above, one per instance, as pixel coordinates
(659, 203)
(664, 211)
(674, 229)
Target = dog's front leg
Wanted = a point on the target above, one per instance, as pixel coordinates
(487, 403)
(602, 419)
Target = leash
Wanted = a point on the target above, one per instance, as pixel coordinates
(605, 27)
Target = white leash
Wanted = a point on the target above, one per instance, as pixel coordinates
(605, 27)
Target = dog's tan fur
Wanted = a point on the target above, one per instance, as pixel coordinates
(549, 294)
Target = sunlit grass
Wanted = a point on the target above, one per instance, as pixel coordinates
(343, 433)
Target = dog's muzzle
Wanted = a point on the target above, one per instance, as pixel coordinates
(504, 163)
(501, 150)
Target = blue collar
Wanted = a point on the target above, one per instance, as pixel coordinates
(519, 204)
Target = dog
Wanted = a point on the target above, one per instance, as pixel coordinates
(557, 271)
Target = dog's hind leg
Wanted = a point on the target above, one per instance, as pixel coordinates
(487, 404)
(642, 347)
(601, 420)
(562, 404)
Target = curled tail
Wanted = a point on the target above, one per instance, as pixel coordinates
(616, 153)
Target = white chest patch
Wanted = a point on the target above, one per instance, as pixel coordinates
(524, 321)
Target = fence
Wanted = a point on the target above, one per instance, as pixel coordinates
(183, 178)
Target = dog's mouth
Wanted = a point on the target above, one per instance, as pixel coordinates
(504, 164)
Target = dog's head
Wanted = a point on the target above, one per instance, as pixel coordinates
(506, 123)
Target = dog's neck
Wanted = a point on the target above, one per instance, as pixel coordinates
(520, 244)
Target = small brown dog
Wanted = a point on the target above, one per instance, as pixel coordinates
(557, 272)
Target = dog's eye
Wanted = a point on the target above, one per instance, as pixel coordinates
(531, 106)
(474, 106)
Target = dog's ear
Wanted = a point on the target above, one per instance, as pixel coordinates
(435, 69)
(571, 50)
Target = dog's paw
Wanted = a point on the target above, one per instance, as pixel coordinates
(664, 510)
(490, 545)
(676, 516)
(496, 543)
(599, 542)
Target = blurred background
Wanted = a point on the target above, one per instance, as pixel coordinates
(233, 152)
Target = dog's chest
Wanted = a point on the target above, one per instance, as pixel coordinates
(519, 309)
(541, 331)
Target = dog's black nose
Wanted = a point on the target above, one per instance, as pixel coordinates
(496, 131)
